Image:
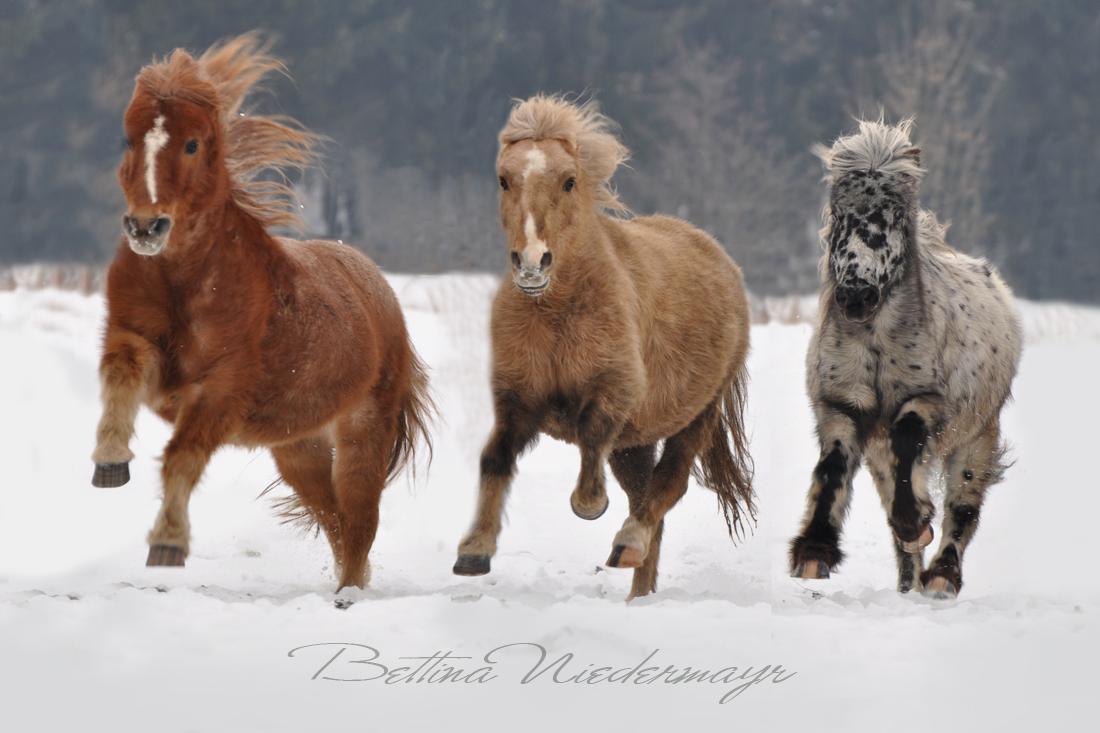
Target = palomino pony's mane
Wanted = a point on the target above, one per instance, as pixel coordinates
(583, 127)
(221, 79)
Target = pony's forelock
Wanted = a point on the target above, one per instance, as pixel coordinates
(581, 126)
(222, 78)
(877, 146)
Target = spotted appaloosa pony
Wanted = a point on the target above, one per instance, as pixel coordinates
(612, 335)
(238, 337)
(913, 358)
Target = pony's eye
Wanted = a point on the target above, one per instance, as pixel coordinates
(192, 147)
(569, 184)
(503, 183)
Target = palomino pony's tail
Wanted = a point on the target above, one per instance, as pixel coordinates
(417, 409)
(726, 472)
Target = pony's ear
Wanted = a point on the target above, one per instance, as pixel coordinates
(913, 153)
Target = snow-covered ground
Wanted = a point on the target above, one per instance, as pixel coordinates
(90, 639)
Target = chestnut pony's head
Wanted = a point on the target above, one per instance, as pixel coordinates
(555, 163)
(191, 151)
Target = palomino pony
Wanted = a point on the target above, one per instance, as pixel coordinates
(612, 335)
(913, 358)
(238, 337)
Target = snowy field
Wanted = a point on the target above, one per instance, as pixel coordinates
(90, 639)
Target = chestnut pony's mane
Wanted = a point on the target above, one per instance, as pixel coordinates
(221, 79)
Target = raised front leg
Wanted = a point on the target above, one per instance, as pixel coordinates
(815, 552)
(516, 428)
(127, 371)
(970, 471)
(202, 426)
(910, 508)
(597, 428)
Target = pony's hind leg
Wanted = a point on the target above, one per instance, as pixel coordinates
(306, 466)
(815, 552)
(633, 469)
(970, 471)
(641, 532)
(126, 371)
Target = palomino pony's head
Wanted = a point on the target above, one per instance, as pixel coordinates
(871, 217)
(190, 150)
(556, 159)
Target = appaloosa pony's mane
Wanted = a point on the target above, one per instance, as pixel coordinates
(876, 147)
(583, 127)
(222, 78)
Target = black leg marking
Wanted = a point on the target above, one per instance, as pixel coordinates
(963, 517)
(821, 540)
(908, 437)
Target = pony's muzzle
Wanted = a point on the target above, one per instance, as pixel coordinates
(532, 279)
(147, 236)
(858, 303)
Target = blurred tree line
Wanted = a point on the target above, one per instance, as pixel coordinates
(719, 101)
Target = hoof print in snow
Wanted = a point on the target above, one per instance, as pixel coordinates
(110, 475)
(472, 565)
(811, 570)
(165, 556)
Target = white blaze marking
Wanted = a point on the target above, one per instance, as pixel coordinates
(535, 248)
(155, 139)
(536, 162)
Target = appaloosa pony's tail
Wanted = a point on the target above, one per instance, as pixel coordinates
(417, 409)
(726, 472)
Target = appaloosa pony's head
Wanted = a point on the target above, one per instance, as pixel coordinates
(190, 150)
(556, 159)
(871, 217)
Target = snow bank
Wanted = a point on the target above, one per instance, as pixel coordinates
(89, 637)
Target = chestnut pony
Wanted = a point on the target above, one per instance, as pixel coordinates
(239, 337)
(613, 335)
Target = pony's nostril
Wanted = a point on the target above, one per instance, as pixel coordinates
(129, 225)
(515, 260)
(160, 225)
(870, 298)
(547, 258)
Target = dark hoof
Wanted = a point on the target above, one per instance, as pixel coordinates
(165, 556)
(595, 515)
(472, 565)
(811, 570)
(110, 475)
(940, 588)
(343, 604)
